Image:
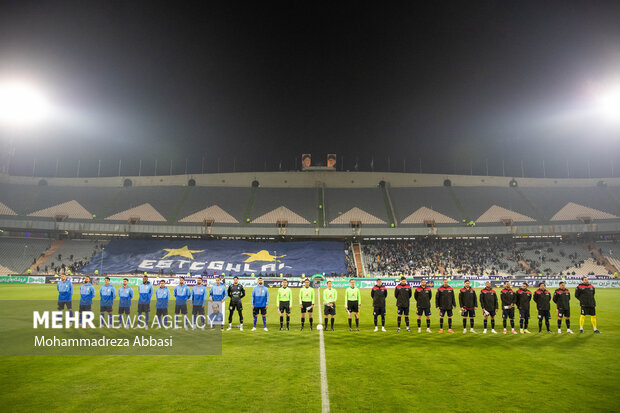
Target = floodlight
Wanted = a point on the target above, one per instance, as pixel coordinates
(22, 104)
(608, 104)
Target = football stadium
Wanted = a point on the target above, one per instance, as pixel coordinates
(382, 266)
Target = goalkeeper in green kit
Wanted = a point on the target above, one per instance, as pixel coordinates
(353, 302)
(330, 295)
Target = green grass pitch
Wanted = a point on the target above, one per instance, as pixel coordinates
(278, 371)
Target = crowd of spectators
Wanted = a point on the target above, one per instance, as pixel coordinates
(440, 256)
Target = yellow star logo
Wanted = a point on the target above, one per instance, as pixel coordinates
(262, 255)
(181, 252)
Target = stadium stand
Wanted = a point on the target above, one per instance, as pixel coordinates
(551, 200)
(476, 202)
(277, 202)
(233, 201)
(141, 213)
(18, 254)
(365, 205)
(407, 201)
(71, 255)
(440, 257)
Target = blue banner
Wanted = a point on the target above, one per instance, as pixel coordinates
(219, 257)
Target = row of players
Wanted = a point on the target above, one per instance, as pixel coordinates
(444, 301)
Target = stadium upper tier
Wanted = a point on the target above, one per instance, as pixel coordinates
(319, 200)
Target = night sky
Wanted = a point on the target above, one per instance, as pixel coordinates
(450, 83)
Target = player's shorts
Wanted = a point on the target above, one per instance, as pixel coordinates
(257, 310)
(469, 312)
(306, 306)
(62, 304)
(488, 312)
(180, 308)
(353, 307)
(544, 314)
(563, 312)
(105, 309)
(525, 314)
(445, 312)
(85, 307)
(508, 313)
(144, 308)
(198, 310)
(124, 310)
(378, 310)
(423, 311)
(329, 309)
(402, 310)
(161, 311)
(285, 307)
(235, 305)
(588, 311)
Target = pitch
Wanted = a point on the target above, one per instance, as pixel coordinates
(278, 371)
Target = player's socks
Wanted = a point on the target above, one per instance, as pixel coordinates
(255, 322)
(465, 323)
(325, 323)
(407, 321)
(265, 321)
(382, 320)
(332, 323)
(349, 323)
(398, 318)
(559, 323)
(526, 323)
(568, 323)
(428, 323)
(303, 321)
(281, 321)
(471, 322)
(449, 324)
(593, 320)
(419, 323)
(147, 319)
(441, 323)
(357, 322)
(582, 321)
(547, 324)
(310, 323)
(539, 325)
(521, 323)
(485, 324)
(512, 323)
(375, 320)
(492, 324)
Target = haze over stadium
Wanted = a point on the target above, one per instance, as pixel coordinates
(336, 190)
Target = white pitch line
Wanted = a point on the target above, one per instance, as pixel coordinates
(323, 363)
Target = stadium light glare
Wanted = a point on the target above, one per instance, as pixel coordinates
(22, 104)
(608, 104)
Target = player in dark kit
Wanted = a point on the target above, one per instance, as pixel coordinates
(402, 292)
(509, 299)
(585, 294)
(379, 294)
(445, 302)
(542, 298)
(468, 303)
(423, 295)
(524, 296)
(489, 304)
(561, 297)
(236, 292)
